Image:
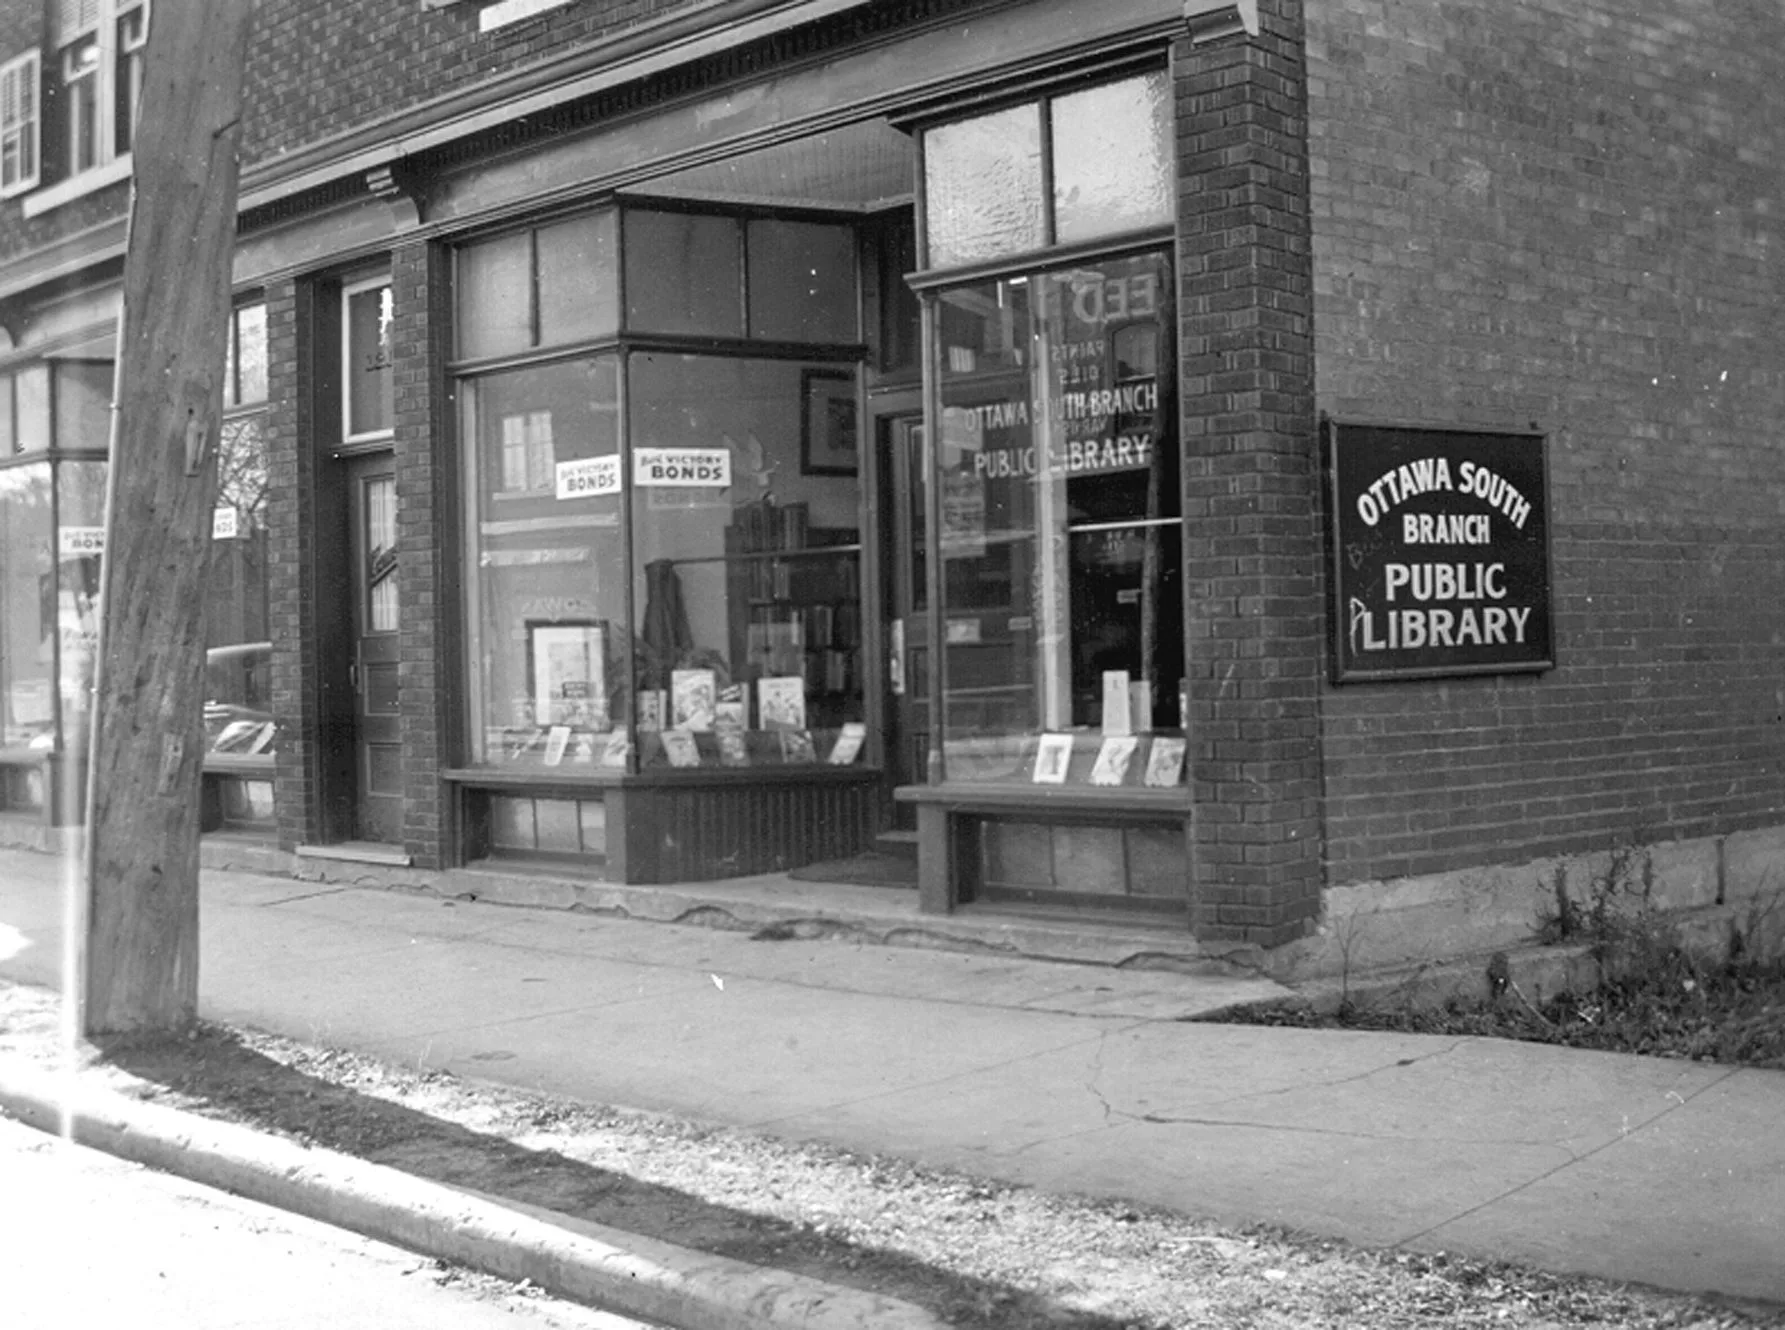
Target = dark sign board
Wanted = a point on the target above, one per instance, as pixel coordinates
(1440, 552)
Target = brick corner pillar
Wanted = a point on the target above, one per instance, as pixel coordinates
(1252, 546)
(426, 487)
(291, 553)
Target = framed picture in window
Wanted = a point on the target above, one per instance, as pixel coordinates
(828, 423)
(569, 665)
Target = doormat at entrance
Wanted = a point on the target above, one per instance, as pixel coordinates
(872, 868)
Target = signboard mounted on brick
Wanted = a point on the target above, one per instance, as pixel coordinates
(1439, 546)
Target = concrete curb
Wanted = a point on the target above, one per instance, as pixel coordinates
(597, 1266)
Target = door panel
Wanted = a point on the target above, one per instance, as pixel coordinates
(378, 752)
(908, 663)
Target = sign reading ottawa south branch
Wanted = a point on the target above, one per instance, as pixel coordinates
(1440, 548)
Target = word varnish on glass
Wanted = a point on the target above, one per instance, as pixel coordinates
(1440, 544)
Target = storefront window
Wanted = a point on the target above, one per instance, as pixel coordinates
(80, 498)
(28, 597)
(546, 566)
(238, 660)
(1060, 543)
(747, 550)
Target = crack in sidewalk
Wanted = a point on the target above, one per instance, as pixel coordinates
(1678, 1103)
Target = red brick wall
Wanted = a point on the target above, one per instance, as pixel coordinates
(425, 447)
(1251, 543)
(321, 67)
(1568, 212)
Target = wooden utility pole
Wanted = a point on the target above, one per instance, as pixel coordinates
(140, 959)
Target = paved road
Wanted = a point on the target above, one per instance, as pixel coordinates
(86, 1240)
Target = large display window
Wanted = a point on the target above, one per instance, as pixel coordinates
(52, 542)
(1059, 521)
(548, 621)
(748, 561)
(662, 500)
(1061, 527)
(238, 663)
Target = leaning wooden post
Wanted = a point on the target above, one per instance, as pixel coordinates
(140, 959)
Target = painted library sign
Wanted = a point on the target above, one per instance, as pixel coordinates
(1440, 552)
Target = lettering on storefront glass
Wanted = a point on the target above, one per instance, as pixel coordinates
(1440, 552)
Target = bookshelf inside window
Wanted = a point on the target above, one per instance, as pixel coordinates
(795, 609)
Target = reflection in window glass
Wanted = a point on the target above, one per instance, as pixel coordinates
(369, 386)
(83, 403)
(31, 400)
(802, 282)
(247, 379)
(495, 285)
(578, 282)
(544, 578)
(982, 187)
(683, 274)
(747, 560)
(1060, 541)
(80, 499)
(28, 599)
(238, 659)
(1112, 159)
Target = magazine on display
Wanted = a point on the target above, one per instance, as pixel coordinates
(1113, 759)
(1165, 763)
(693, 694)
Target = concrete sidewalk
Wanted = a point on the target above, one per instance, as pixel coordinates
(1079, 1078)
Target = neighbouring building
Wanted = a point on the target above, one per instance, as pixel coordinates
(1209, 464)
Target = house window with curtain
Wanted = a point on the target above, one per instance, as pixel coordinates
(19, 123)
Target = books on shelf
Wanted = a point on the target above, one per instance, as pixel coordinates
(1113, 759)
(693, 695)
(781, 702)
(1165, 762)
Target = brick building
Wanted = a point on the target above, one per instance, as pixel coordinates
(1214, 465)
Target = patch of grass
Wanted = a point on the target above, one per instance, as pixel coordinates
(1655, 994)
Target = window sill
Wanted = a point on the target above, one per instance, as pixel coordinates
(87, 182)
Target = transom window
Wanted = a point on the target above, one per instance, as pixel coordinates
(1083, 164)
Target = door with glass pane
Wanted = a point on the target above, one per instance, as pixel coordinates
(378, 753)
(907, 638)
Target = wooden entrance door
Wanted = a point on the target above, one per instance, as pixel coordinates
(377, 743)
